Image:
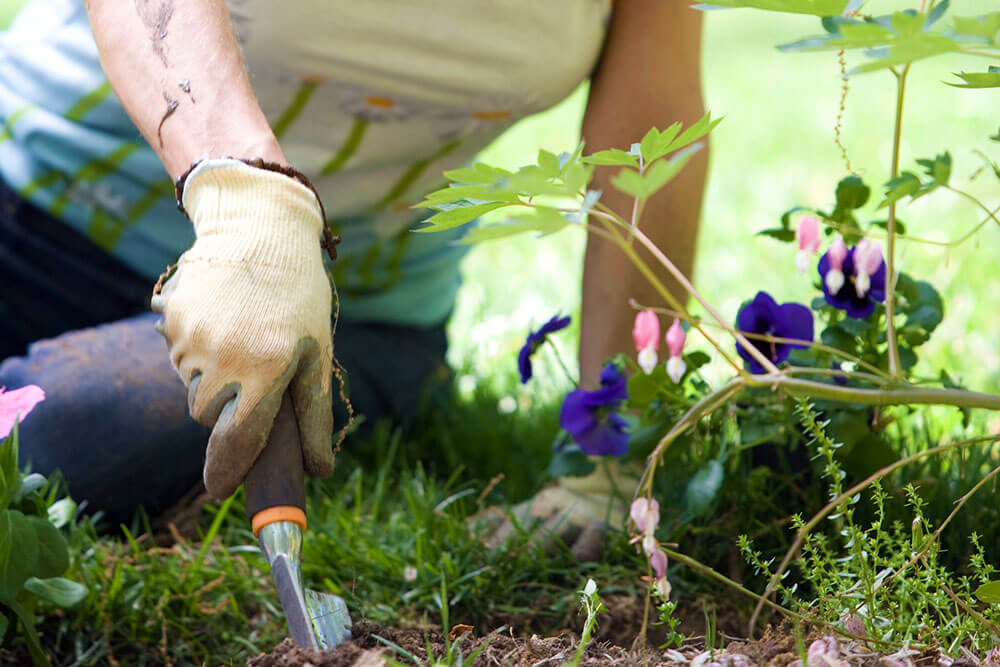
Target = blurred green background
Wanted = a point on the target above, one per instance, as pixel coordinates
(775, 149)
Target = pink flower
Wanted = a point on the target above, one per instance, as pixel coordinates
(867, 260)
(675, 343)
(645, 513)
(646, 331)
(658, 560)
(834, 277)
(807, 236)
(15, 406)
(662, 587)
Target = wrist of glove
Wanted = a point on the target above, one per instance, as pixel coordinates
(247, 315)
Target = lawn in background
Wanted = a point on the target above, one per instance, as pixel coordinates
(775, 149)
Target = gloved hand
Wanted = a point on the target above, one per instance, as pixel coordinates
(247, 315)
(577, 510)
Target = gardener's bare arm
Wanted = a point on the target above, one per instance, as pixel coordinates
(176, 67)
(650, 74)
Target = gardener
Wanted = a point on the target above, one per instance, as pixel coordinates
(359, 104)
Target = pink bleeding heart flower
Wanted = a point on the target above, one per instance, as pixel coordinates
(16, 404)
(807, 237)
(645, 513)
(675, 343)
(663, 587)
(646, 331)
(836, 255)
(658, 560)
(867, 261)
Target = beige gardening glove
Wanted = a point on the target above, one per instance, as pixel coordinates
(577, 510)
(247, 314)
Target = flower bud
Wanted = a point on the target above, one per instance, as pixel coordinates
(658, 560)
(675, 338)
(807, 234)
(645, 513)
(663, 587)
(867, 260)
(646, 331)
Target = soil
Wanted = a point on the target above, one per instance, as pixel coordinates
(776, 647)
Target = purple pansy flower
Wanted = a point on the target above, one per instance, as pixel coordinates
(535, 340)
(846, 297)
(589, 416)
(763, 315)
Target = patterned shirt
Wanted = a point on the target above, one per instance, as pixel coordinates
(372, 100)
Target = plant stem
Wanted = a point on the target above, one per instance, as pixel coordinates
(890, 305)
(562, 363)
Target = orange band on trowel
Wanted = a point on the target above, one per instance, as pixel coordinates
(278, 513)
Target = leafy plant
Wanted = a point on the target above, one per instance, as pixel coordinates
(33, 551)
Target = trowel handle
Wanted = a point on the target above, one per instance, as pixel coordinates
(275, 485)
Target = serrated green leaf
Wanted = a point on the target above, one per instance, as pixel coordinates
(612, 157)
(457, 217)
(475, 194)
(702, 127)
(939, 168)
(478, 173)
(649, 144)
(576, 177)
(543, 220)
(989, 592)
(60, 592)
(663, 171)
(906, 184)
(813, 7)
(990, 79)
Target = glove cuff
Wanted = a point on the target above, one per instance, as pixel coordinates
(230, 189)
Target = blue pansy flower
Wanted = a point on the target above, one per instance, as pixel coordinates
(858, 283)
(535, 340)
(589, 416)
(764, 316)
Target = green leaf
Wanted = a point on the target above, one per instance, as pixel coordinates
(612, 157)
(703, 487)
(18, 552)
(630, 182)
(4, 624)
(703, 126)
(696, 360)
(456, 217)
(53, 553)
(785, 235)
(570, 461)
(38, 656)
(60, 592)
(649, 144)
(836, 337)
(813, 7)
(549, 163)
(989, 592)
(852, 193)
(644, 388)
(477, 194)
(989, 79)
(939, 169)
(61, 512)
(884, 224)
(542, 219)
(10, 475)
(906, 184)
(987, 26)
(479, 173)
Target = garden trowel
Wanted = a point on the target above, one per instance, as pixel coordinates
(276, 502)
